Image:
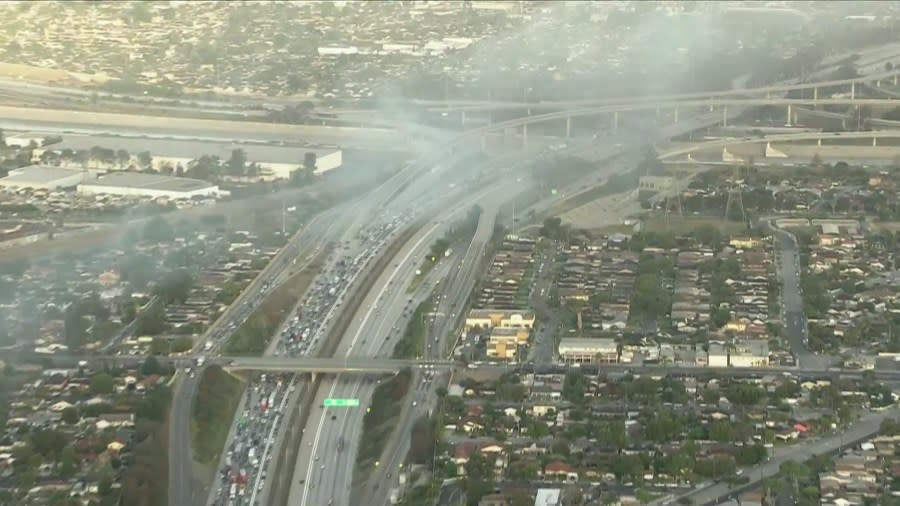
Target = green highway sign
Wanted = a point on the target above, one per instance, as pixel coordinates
(341, 403)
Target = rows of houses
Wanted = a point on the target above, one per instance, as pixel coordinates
(500, 314)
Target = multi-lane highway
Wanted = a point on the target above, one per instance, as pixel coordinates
(304, 246)
(350, 426)
(450, 299)
(372, 333)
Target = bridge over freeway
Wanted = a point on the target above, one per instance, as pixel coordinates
(804, 136)
(486, 105)
(346, 365)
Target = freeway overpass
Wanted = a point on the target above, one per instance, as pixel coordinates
(767, 91)
(337, 365)
(369, 365)
(33, 118)
(804, 136)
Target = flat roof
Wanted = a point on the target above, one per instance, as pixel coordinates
(587, 343)
(38, 174)
(193, 149)
(148, 182)
(547, 497)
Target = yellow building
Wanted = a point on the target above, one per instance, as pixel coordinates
(504, 318)
(742, 242)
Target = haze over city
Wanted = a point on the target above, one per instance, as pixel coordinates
(446, 253)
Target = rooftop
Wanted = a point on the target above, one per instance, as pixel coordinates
(148, 181)
(193, 149)
(38, 174)
(547, 497)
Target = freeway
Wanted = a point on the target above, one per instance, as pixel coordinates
(441, 336)
(64, 121)
(384, 314)
(301, 249)
(804, 136)
(308, 241)
(353, 389)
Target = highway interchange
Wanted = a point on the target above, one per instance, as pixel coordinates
(417, 192)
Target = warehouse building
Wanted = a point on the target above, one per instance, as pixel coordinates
(149, 185)
(276, 161)
(582, 350)
(42, 177)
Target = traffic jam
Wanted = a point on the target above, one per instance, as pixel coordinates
(243, 471)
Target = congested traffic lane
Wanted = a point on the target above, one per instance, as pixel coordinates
(386, 302)
(300, 334)
(368, 333)
(362, 232)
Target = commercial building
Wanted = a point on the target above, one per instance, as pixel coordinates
(582, 350)
(42, 177)
(276, 161)
(717, 355)
(505, 342)
(750, 353)
(548, 497)
(149, 185)
(505, 318)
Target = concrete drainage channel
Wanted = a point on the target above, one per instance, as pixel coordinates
(297, 416)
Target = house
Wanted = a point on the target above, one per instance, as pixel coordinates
(742, 242)
(114, 420)
(561, 471)
(115, 447)
(463, 451)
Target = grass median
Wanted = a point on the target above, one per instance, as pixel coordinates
(253, 336)
(381, 417)
(412, 344)
(218, 396)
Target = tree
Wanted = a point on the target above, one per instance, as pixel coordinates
(237, 164)
(144, 159)
(158, 230)
(137, 270)
(479, 479)
(75, 326)
(152, 366)
(175, 286)
(67, 462)
(152, 321)
(574, 387)
(206, 167)
(48, 443)
(102, 383)
(70, 415)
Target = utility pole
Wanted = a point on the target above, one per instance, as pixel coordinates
(283, 218)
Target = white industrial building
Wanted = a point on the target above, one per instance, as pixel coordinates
(548, 497)
(149, 185)
(26, 139)
(276, 161)
(586, 350)
(42, 177)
